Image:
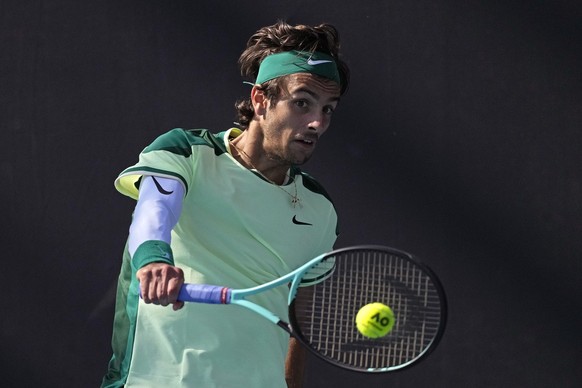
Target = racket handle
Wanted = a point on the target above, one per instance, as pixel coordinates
(204, 293)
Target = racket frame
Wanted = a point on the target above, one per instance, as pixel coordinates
(293, 279)
(293, 325)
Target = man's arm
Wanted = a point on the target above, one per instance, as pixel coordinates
(157, 211)
(295, 364)
(297, 354)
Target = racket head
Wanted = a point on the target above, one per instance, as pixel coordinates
(324, 321)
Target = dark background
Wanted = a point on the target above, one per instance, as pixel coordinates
(459, 141)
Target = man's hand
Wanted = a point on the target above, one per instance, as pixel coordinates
(160, 284)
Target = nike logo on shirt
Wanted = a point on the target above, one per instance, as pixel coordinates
(296, 222)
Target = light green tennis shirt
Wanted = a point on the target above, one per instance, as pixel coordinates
(236, 230)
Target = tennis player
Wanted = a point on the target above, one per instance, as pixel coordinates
(230, 208)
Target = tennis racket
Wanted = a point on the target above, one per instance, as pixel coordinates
(341, 282)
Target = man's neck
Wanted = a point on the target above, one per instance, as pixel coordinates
(248, 150)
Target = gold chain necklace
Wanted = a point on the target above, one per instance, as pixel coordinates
(295, 200)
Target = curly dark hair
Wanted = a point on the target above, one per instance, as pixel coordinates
(280, 37)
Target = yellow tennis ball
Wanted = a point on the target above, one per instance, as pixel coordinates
(375, 320)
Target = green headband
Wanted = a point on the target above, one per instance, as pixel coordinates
(291, 62)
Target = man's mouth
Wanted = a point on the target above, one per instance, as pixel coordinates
(308, 140)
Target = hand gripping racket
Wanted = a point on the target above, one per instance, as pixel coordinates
(341, 282)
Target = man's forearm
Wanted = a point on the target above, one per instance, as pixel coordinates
(295, 364)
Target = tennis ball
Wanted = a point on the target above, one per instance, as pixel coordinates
(375, 320)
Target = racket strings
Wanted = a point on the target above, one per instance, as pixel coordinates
(327, 322)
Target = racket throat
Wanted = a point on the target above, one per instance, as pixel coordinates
(285, 326)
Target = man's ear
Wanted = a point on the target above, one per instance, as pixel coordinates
(259, 100)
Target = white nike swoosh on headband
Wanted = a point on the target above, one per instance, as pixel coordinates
(311, 62)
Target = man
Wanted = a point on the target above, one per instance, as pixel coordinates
(230, 209)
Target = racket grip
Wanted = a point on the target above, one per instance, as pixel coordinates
(204, 293)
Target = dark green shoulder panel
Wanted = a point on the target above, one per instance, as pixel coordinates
(180, 141)
(313, 185)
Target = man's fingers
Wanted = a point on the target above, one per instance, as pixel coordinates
(160, 283)
(177, 305)
(174, 285)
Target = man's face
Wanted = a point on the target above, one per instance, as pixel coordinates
(295, 122)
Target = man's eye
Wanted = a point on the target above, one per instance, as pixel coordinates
(301, 103)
